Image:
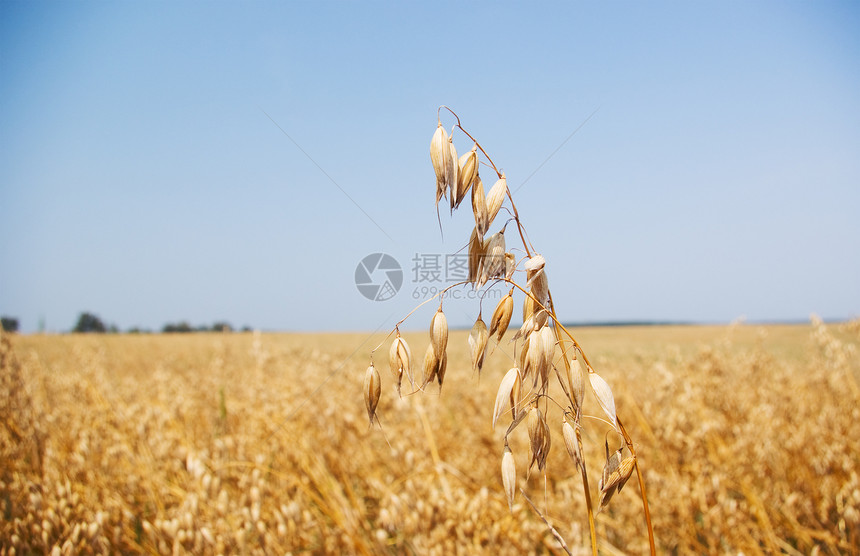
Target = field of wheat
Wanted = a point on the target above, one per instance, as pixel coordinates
(748, 438)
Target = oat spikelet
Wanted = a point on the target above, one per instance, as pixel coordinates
(466, 174)
(616, 472)
(502, 316)
(537, 279)
(547, 339)
(440, 156)
(537, 358)
(400, 361)
(508, 394)
(494, 260)
(479, 207)
(604, 396)
(539, 437)
(495, 198)
(478, 339)
(509, 476)
(372, 391)
(439, 333)
(476, 258)
(432, 362)
(571, 442)
(454, 176)
(577, 387)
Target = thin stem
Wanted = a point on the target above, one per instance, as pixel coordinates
(425, 302)
(552, 530)
(648, 523)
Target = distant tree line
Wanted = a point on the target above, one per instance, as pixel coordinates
(88, 323)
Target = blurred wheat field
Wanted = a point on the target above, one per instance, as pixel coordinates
(748, 438)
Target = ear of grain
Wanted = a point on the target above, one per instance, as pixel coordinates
(509, 476)
(454, 176)
(400, 361)
(494, 261)
(439, 333)
(508, 392)
(478, 339)
(604, 396)
(495, 198)
(431, 365)
(571, 442)
(468, 170)
(476, 258)
(502, 316)
(372, 391)
(479, 207)
(440, 157)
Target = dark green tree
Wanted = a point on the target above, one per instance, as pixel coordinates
(88, 322)
(9, 324)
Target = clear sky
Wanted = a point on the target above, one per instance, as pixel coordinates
(203, 161)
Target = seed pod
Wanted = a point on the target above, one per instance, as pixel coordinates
(502, 316)
(577, 388)
(604, 396)
(539, 437)
(616, 472)
(495, 198)
(431, 365)
(537, 357)
(478, 338)
(528, 307)
(494, 261)
(571, 442)
(508, 394)
(372, 391)
(537, 279)
(453, 177)
(440, 370)
(476, 258)
(509, 476)
(479, 207)
(525, 359)
(400, 361)
(547, 340)
(439, 333)
(440, 156)
(466, 173)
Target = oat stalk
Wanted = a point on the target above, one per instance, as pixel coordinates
(541, 336)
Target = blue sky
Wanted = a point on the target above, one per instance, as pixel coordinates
(142, 177)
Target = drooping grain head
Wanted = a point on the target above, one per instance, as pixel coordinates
(479, 207)
(454, 176)
(466, 174)
(495, 198)
(372, 391)
(509, 476)
(478, 339)
(494, 261)
(439, 333)
(539, 437)
(536, 277)
(502, 316)
(508, 395)
(476, 258)
(400, 361)
(571, 441)
(431, 365)
(440, 156)
(604, 396)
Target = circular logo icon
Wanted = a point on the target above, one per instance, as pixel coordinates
(378, 277)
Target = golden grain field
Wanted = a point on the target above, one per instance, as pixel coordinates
(748, 436)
